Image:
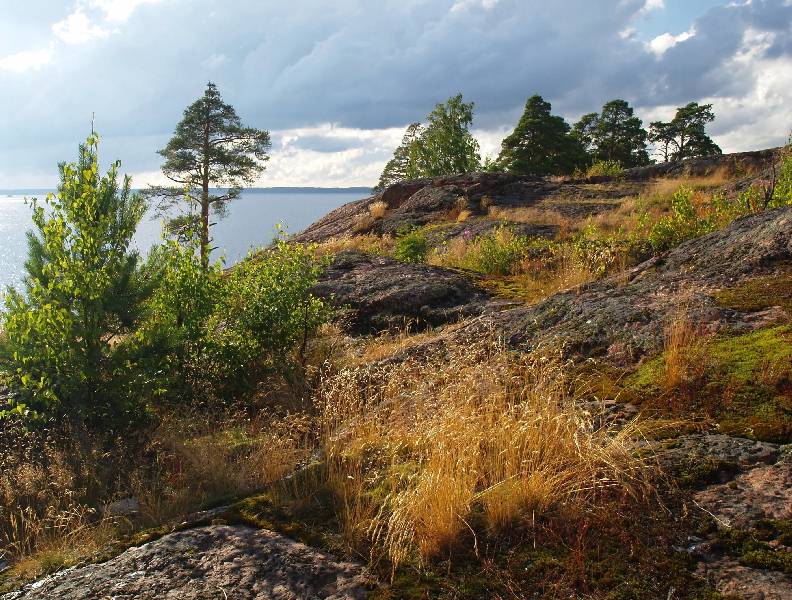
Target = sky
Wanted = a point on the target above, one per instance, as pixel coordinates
(337, 82)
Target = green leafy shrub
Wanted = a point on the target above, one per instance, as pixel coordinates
(606, 168)
(214, 334)
(412, 245)
(81, 294)
(497, 252)
(782, 194)
(683, 223)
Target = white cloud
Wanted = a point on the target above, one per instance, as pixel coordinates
(77, 28)
(651, 5)
(215, 61)
(28, 60)
(463, 5)
(118, 11)
(664, 42)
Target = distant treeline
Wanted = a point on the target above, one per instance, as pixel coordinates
(545, 144)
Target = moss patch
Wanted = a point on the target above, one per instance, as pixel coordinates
(745, 386)
(761, 547)
(759, 294)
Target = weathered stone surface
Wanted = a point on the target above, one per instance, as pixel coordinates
(730, 164)
(734, 580)
(623, 318)
(760, 493)
(376, 293)
(740, 452)
(212, 562)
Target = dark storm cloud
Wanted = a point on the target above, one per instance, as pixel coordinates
(354, 63)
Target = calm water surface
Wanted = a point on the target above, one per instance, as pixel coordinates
(251, 223)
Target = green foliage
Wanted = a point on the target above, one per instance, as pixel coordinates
(211, 333)
(497, 252)
(598, 253)
(445, 146)
(412, 245)
(782, 192)
(210, 148)
(540, 143)
(606, 168)
(615, 134)
(398, 167)
(82, 293)
(683, 223)
(684, 136)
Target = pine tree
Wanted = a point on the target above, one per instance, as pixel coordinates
(685, 136)
(210, 149)
(540, 143)
(615, 134)
(80, 290)
(398, 167)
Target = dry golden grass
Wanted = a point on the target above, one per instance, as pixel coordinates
(567, 272)
(530, 214)
(665, 187)
(362, 222)
(415, 450)
(373, 244)
(684, 360)
(378, 209)
(51, 517)
(463, 215)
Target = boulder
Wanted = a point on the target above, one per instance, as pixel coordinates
(376, 293)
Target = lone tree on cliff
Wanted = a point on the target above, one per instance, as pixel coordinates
(684, 136)
(540, 143)
(613, 134)
(209, 149)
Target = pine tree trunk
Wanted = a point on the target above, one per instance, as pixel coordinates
(205, 225)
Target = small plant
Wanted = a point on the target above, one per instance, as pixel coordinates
(683, 223)
(606, 168)
(412, 245)
(378, 209)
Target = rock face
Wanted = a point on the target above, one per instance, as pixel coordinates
(212, 562)
(623, 318)
(376, 293)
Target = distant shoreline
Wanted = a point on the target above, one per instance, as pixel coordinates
(264, 190)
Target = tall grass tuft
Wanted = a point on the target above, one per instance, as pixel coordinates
(418, 453)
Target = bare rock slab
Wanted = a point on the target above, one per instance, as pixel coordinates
(760, 493)
(218, 561)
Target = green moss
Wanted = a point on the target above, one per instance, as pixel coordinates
(697, 473)
(746, 386)
(759, 294)
(752, 546)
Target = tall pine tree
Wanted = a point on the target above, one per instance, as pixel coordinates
(540, 143)
(685, 136)
(398, 168)
(615, 134)
(210, 149)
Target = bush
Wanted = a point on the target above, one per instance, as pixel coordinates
(210, 333)
(497, 252)
(683, 223)
(782, 194)
(412, 245)
(82, 294)
(606, 168)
